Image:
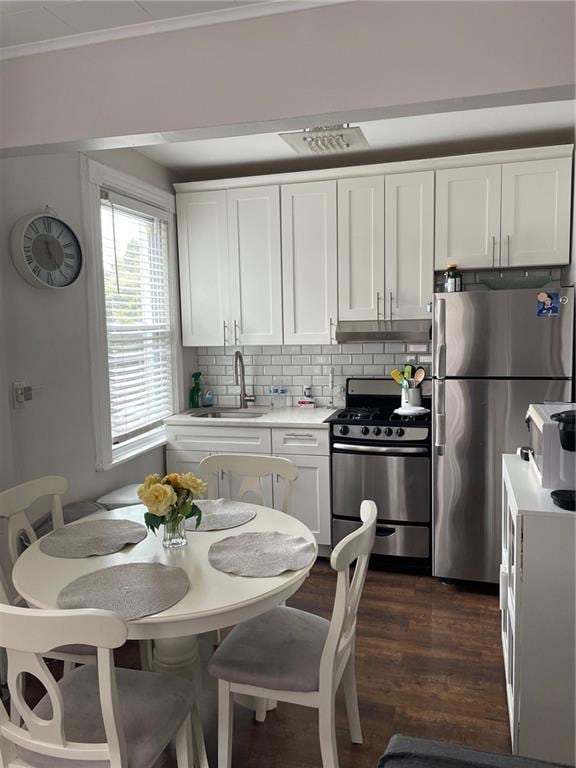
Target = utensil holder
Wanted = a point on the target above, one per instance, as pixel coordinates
(411, 397)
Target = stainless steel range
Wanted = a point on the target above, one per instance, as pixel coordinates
(378, 454)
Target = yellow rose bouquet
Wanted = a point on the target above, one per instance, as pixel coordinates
(170, 502)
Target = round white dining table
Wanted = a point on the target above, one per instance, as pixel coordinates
(214, 600)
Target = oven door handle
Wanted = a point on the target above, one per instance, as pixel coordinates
(406, 450)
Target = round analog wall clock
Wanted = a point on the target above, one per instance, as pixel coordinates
(45, 251)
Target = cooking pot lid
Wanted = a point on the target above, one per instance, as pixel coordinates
(567, 419)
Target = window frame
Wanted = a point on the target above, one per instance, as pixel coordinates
(148, 199)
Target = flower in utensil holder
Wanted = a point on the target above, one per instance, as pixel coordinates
(170, 499)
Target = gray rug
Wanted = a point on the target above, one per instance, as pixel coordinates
(92, 538)
(132, 590)
(261, 554)
(218, 514)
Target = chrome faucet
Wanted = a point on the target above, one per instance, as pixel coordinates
(240, 378)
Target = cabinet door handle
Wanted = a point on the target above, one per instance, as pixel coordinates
(224, 332)
(508, 250)
(332, 340)
(236, 329)
(377, 305)
(493, 250)
(391, 296)
(298, 434)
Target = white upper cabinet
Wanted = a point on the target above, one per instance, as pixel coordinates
(409, 244)
(309, 262)
(361, 248)
(536, 213)
(468, 217)
(203, 257)
(255, 265)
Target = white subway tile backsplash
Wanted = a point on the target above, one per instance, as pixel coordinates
(296, 366)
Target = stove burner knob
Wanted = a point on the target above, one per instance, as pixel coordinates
(388, 431)
(344, 430)
(399, 431)
(365, 430)
(377, 430)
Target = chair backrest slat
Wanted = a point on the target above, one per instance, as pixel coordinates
(252, 469)
(14, 504)
(27, 634)
(355, 548)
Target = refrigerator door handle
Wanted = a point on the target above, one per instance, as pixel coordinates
(439, 417)
(440, 336)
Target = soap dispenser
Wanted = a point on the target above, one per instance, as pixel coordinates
(194, 398)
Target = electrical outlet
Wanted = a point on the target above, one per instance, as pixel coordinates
(21, 394)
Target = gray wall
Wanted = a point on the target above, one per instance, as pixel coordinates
(331, 60)
(44, 341)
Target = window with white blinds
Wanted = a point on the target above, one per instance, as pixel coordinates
(139, 333)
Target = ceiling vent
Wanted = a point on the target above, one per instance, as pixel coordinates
(326, 140)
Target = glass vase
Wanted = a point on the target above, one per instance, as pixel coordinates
(175, 533)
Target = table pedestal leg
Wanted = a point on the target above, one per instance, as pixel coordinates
(259, 706)
(179, 655)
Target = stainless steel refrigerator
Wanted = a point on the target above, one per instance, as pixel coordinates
(494, 353)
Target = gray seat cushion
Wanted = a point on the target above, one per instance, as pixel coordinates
(77, 650)
(152, 708)
(280, 650)
(409, 752)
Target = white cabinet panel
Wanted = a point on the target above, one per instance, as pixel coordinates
(189, 461)
(310, 500)
(309, 257)
(536, 213)
(203, 257)
(409, 244)
(297, 441)
(360, 248)
(468, 216)
(219, 439)
(255, 265)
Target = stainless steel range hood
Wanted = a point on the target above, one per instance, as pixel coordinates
(384, 330)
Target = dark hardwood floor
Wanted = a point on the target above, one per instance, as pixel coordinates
(429, 664)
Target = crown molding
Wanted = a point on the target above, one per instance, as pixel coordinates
(208, 18)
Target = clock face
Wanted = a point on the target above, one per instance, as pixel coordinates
(51, 252)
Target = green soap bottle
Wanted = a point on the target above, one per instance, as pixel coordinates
(194, 398)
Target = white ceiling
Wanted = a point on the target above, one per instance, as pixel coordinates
(25, 22)
(382, 135)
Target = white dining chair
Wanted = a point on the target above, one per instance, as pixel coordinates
(95, 715)
(252, 469)
(14, 504)
(298, 657)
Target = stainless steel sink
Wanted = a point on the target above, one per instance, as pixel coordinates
(230, 413)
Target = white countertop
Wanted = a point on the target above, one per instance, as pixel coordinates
(529, 496)
(275, 417)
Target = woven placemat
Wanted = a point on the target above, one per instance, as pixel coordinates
(261, 554)
(218, 514)
(94, 537)
(132, 590)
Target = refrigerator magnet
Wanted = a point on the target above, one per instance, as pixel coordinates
(547, 304)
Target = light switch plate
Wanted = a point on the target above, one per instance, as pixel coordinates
(21, 394)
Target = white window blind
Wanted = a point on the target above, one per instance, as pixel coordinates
(140, 338)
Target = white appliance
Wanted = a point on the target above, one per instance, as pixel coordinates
(555, 467)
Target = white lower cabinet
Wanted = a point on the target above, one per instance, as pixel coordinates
(310, 502)
(538, 610)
